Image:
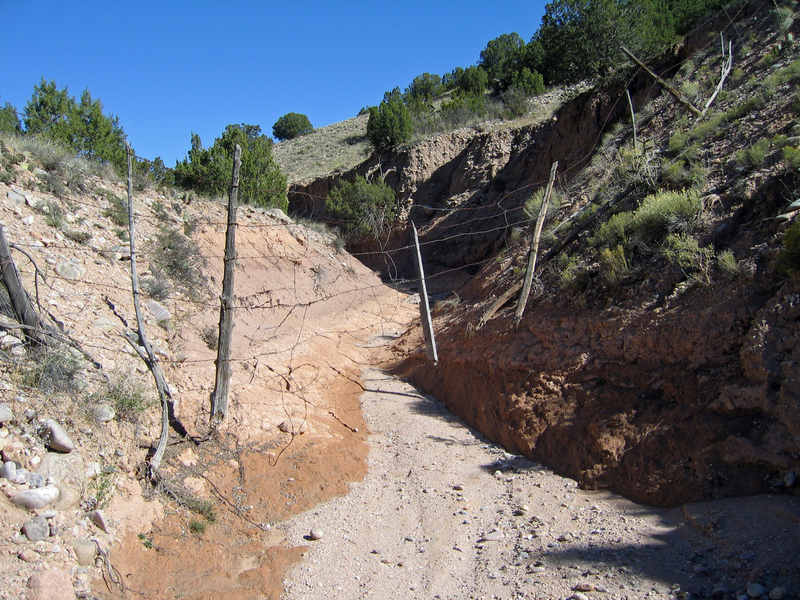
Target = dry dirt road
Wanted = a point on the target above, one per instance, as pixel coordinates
(442, 513)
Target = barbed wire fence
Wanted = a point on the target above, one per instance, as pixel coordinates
(287, 309)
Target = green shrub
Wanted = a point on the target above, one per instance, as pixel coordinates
(615, 264)
(76, 235)
(573, 272)
(659, 214)
(515, 101)
(791, 157)
(54, 214)
(362, 207)
(128, 396)
(533, 205)
(664, 212)
(789, 258)
(686, 252)
(208, 170)
(53, 371)
(155, 285)
(614, 230)
(678, 141)
(755, 155)
(673, 173)
(117, 209)
(291, 125)
(197, 527)
(177, 257)
(389, 123)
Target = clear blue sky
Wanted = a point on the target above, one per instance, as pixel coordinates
(168, 69)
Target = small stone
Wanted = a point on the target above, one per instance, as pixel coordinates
(36, 499)
(9, 342)
(36, 529)
(579, 596)
(9, 470)
(493, 536)
(49, 514)
(316, 533)
(98, 518)
(790, 479)
(583, 587)
(70, 271)
(104, 413)
(458, 487)
(6, 413)
(27, 555)
(537, 570)
(57, 437)
(85, 551)
(52, 584)
(159, 311)
(27, 220)
(284, 427)
(103, 323)
(778, 593)
(21, 476)
(35, 480)
(755, 590)
(662, 589)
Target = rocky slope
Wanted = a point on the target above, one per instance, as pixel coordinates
(294, 435)
(665, 383)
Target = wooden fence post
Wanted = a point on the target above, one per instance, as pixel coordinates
(675, 93)
(20, 302)
(633, 120)
(219, 399)
(147, 354)
(424, 307)
(534, 251)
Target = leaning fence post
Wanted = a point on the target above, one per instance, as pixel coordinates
(424, 307)
(141, 342)
(534, 251)
(219, 399)
(20, 302)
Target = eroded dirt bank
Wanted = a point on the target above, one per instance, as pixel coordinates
(691, 400)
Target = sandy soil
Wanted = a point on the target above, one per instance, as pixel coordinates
(444, 514)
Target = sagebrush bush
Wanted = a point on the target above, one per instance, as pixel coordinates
(177, 257)
(685, 251)
(53, 371)
(615, 266)
(791, 157)
(128, 396)
(658, 215)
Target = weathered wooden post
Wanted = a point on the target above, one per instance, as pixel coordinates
(141, 345)
(219, 398)
(424, 307)
(534, 251)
